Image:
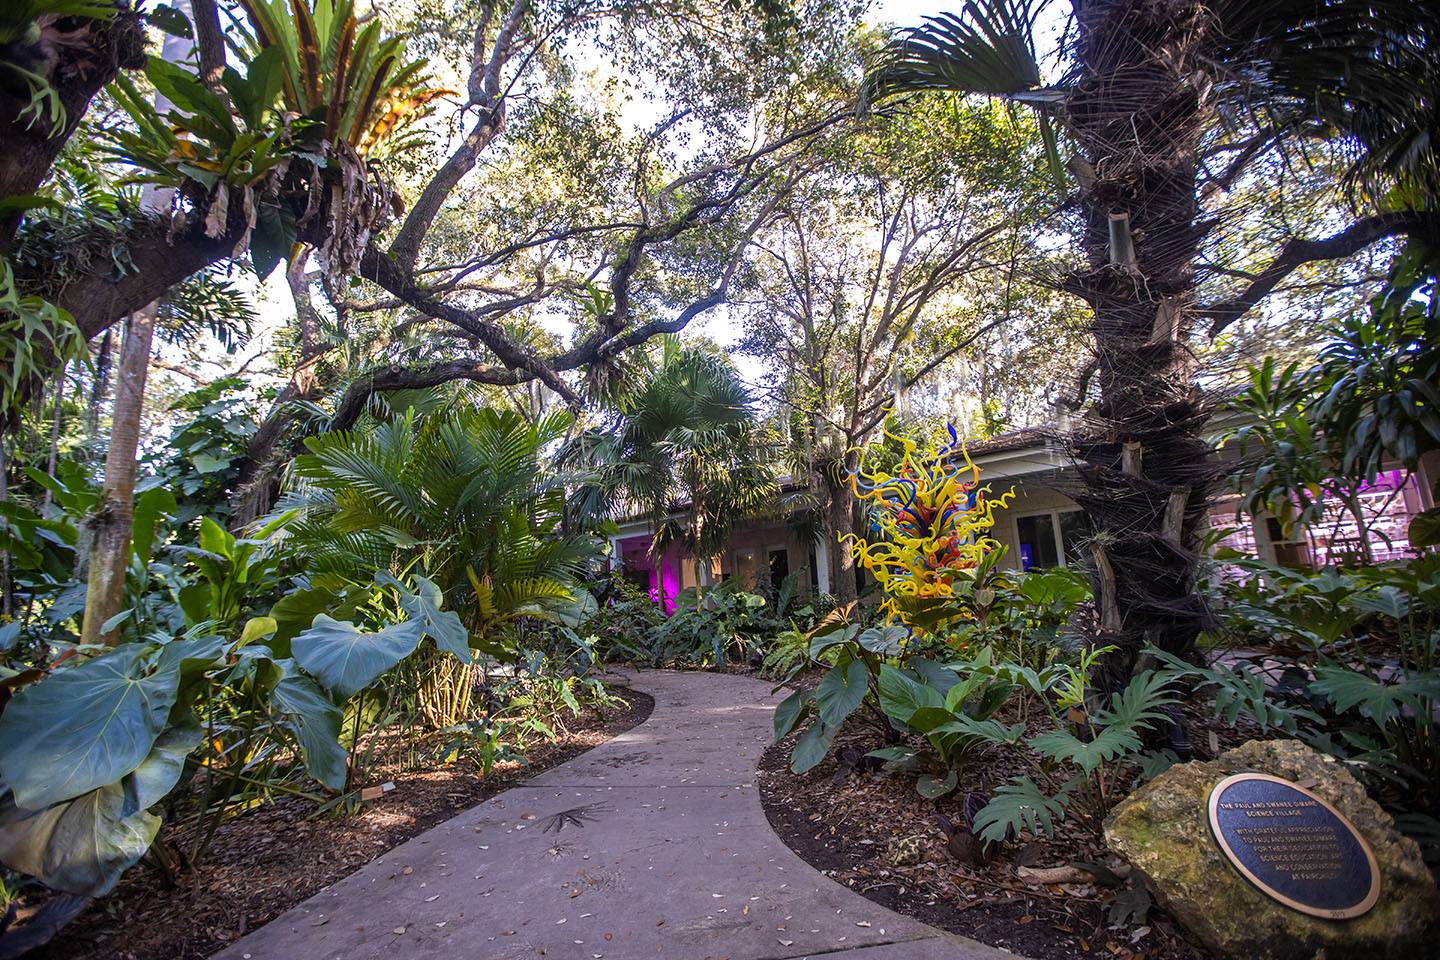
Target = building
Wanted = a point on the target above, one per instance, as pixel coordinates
(1042, 526)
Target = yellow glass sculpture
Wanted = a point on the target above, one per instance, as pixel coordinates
(929, 523)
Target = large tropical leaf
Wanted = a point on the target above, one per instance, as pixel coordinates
(423, 605)
(987, 49)
(902, 697)
(314, 720)
(840, 691)
(83, 845)
(84, 727)
(346, 659)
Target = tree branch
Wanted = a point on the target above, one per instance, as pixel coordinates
(1299, 251)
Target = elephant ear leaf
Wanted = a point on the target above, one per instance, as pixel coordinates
(841, 691)
(82, 845)
(345, 659)
(84, 727)
(442, 626)
(315, 721)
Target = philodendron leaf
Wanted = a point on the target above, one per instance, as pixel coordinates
(315, 722)
(841, 691)
(84, 727)
(442, 626)
(811, 748)
(789, 712)
(295, 612)
(347, 660)
(79, 846)
(901, 697)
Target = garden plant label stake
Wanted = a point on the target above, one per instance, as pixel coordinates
(1294, 846)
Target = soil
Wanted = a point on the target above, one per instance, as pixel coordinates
(876, 835)
(268, 860)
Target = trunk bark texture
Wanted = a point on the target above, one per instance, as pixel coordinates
(77, 56)
(1137, 110)
(839, 522)
(110, 526)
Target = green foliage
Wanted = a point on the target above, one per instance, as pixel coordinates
(24, 45)
(1349, 664)
(34, 335)
(1318, 435)
(346, 659)
(87, 751)
(684, 433)
(856, 657)
(711, 625)
(623, 620)
(1021, 805)
(200, 461)
(1081, 760)
(951, 708)
(202, 141)
(1021, 617)
(350, 80)
(463, 495)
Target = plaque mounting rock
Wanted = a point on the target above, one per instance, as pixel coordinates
(1163, 829)
(1294, 846)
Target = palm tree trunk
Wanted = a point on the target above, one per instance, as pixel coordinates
(1137, 111)
(110, 526)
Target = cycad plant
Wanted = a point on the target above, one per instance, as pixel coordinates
(1153, 94)
(462, 496)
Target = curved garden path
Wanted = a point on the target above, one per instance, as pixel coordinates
(651, 845)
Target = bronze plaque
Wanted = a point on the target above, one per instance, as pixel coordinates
(1294, 846)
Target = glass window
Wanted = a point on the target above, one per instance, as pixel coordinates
(1036, 537)
(1074, 534)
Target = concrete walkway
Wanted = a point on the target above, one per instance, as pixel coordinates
(651, 845)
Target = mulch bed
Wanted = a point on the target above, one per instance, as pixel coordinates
(265, 862)
(876, 835)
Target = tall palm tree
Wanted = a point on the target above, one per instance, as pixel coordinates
(1151, 88)
(682, 446)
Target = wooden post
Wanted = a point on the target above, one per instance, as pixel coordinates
(1122, 245)
(1109, 606)
(1130, 457)
(1174, 522)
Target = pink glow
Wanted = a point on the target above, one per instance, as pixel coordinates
(664, 583)
(669, 579)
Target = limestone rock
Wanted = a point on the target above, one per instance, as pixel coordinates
(1163, 831)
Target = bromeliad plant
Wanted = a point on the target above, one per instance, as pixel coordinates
(288, 139)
